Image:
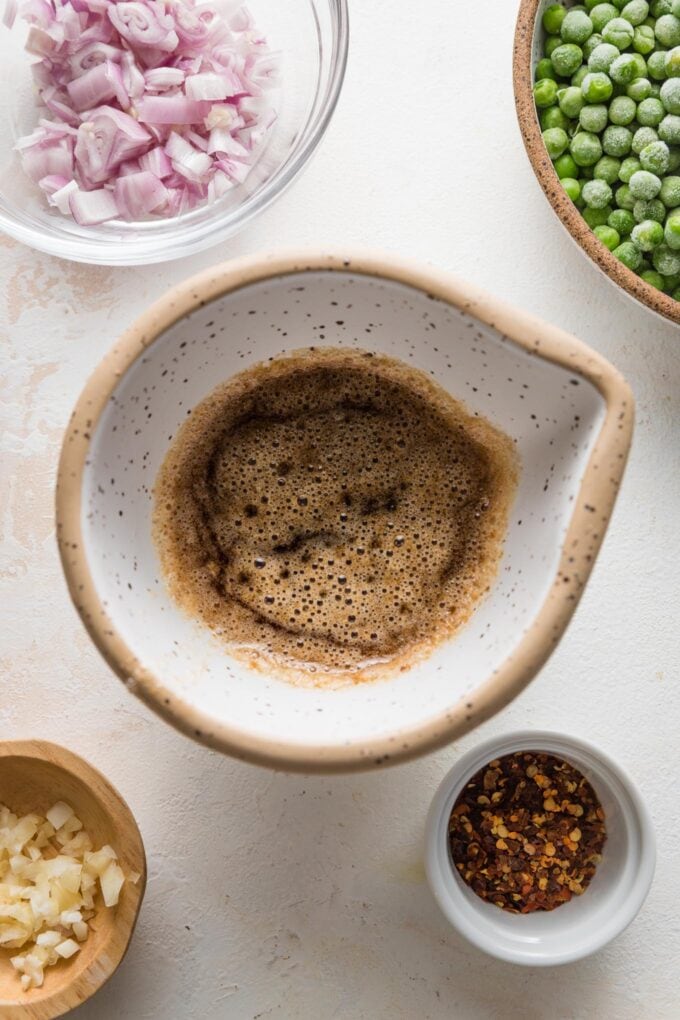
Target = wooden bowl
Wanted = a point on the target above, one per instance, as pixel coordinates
(33, 776)
(528, 37)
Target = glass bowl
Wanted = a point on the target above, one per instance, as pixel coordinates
(312, 36)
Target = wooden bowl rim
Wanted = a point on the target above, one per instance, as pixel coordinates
(663, 304)
(89, 981)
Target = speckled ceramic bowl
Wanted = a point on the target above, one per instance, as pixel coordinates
(568, 410)
(529, 36)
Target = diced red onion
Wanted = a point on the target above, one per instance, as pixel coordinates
(10, 12)
(91, 207)
(139, 194)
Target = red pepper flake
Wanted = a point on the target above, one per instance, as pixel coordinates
(527, 832)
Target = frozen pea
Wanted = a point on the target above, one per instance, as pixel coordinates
(655, 90)
(624, 69)
(655, 157)
(666, 260)
(622, 221)
(669, 129)
(596, 194)
(660, 7)
(619, 33)
(672, 230)
(629, 255)
(555, 141)
(552, 117)
(644, 40)
(545, 69)
(572, 188)
(586, 148)
(602, 57)
(593, 118)
(639, 90)
(647, 235)
(596, 217)
(610, 238)
(671, 63)
(642, 137)
(653, 278)
(629, 166)
(545, 93)
(565, 166)
(607, 169)
(649, 209)
(591, 44)
(670, 192)
(570, 101)
(617, 140)
(576, 27)
(577, 79)
(601, 14)
(656, 65)
(644, 184)
(553, 16)
(667, 30)
(650, 112)
(596, 87)
(567, 59)
(622, 110)
(551, 43)
(624, 199)
(636, 11)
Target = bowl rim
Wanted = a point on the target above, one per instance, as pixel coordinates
(446, 887)
(104, 965)
(591, 509)
(642, 292)
(151, 250)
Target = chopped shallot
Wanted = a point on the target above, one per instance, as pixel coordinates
(151, 106)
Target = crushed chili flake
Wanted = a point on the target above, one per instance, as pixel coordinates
(527, 832)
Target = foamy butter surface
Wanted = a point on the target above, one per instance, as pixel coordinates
(333, 514)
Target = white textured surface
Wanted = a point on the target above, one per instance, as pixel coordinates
(281, 897)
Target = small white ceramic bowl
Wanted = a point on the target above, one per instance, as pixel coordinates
(588, 922)
(569, 412)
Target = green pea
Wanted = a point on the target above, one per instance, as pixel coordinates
(666, 261)
(653, 278)
(601, 14)
(624, 69)
(571, 101)
(610, 238)
(576, 27)
(551, 43)
(672, 230)
(545, 93)
(624, 199)
(669, 129)
(642, 137)
(650, 112)
(555, 141)
(607, 169)
(596, 194)
(577, 79)
(647, 235)
(640, 65)
(629, 255)
(649, 209)
(565, 166)
(596, 217)
(617, 140)
(566, 59)
(545, 69)
(553, 16)
(644, 40)
(656, 65)
(655, 91)
(667, 30)
(622, 221)
(622, 110)
(644, 184)
(602, 57)
(636, 11)
(593, 118)
(619, 33)
(660, 7)
(596, 87)
(655, 158)
(572, 188)
(639, 90)
(552, 117)
(670, 192)
(671, 63)
(629, 166)
(586, 148)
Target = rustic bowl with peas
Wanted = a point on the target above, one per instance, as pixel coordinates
(597, 91)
